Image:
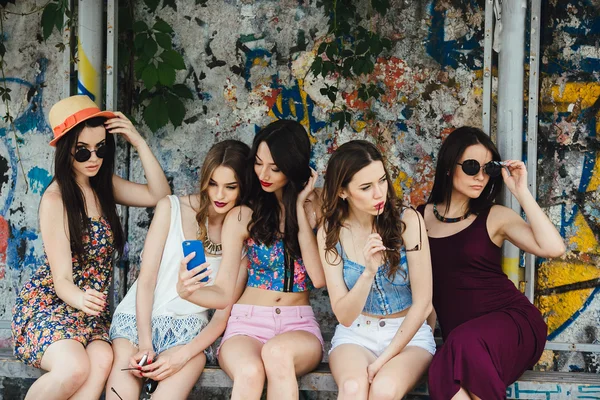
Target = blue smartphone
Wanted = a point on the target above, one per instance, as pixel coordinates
(190, 246)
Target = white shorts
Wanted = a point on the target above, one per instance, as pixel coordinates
(376, 334)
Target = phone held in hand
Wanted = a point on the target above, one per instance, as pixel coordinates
(190, 246)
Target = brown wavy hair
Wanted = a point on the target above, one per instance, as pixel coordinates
(345, 162)
(228, 153)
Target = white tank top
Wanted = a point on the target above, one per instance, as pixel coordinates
(166, 299)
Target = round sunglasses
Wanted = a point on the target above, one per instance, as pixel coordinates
(472, 168)
(82, 154)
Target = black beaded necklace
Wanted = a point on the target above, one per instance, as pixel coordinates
(449, 220)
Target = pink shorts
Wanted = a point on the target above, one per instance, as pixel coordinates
(264, 323)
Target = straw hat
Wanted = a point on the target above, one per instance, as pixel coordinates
(69, 112)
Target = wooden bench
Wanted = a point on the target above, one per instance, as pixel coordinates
(532, 385)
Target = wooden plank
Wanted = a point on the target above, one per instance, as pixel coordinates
(532, 385)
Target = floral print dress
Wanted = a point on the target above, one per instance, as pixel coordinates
(41, 318)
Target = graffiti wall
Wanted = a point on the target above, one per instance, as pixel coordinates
(30, 72)
(569, 183)
(248, 64)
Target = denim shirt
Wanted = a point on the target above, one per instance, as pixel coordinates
(387, 295)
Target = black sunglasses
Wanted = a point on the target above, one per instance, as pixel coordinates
(82, 154)
(148, 387)
(472, 167)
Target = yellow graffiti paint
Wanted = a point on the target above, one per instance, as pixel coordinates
(510, 266)
(584, 239)
(359, 126)
(558, 308)
(293, 110)
(586, 92)
(595, 180)
(87, 75)
(402, 177)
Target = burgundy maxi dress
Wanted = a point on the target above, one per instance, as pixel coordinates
(491, 332)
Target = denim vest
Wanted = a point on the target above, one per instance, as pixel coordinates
(387, 295)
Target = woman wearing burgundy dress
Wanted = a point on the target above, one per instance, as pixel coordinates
(491, 332)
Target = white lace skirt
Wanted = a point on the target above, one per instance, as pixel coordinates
(167, 330)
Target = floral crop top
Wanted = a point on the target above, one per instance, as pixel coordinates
(266, 269)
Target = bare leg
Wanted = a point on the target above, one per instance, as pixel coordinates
(286, 357)
(462, 394)
(400, 374)
(125, 384)
(68, 367)
(179, 385)
(349, 364)
(100, 356)
(240, 358)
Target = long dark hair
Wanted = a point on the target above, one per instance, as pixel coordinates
(290, 148)
(72, 196)
(345, 162)
(451, 151)
(228, 153)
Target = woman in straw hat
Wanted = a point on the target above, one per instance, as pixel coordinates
(61, 317)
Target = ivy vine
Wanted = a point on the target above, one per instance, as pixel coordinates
(350, 52)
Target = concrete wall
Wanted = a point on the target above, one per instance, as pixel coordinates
(247, 65)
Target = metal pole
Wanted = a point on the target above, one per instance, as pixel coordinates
(90, 49)
(510, 108)
(487, 67)
(67, 65)
(532, 128)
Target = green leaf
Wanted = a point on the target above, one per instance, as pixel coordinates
(173, 58)
(381, 6)
(368, 67)
(316, 66)
(387, 43)
(375, 44)
(140, 40)
(144, 94)
(331, 50)
(156, 114)
(176, 110)
(362, 47)
(163, 40)
(182, 91)
(150, 47)
(162, 26)
(150, 76)
(58, 22)
(140, 26)
(166, 74)
(322, 48)
(347, 53)
(139, 66)
(152, 4)
(48, 19)
(2, 49)
(170, 3)
(151, 112)
(324, 91)
(358, 65)
(331, 95)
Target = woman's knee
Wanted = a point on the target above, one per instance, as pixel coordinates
(353, 387)
(386, 388)
(101, 358)
(73, 374)
(249, 373)
(277, 357)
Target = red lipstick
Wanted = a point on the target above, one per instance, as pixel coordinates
(265, 184)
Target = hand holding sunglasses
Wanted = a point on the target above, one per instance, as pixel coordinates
(516, 177)
(123, 126)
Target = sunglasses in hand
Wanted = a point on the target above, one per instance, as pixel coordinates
(492, 168)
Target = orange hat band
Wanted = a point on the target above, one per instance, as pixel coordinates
(74, 119)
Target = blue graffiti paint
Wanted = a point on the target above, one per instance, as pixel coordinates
(39, 178)
(31, 118)
(467, 50)
(20, 253)
(573, 317)
(83, 90)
